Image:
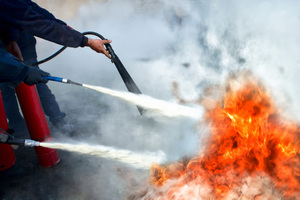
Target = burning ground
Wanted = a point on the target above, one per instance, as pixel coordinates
(252, 152)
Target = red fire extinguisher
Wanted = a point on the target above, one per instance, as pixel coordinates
(7, 155)
(36, 123)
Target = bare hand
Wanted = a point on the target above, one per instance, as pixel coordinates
(98, 46)
(13, 48)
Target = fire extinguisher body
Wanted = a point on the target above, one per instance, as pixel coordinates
(7, 155)
(36, 123)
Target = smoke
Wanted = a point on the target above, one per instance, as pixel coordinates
(195, 43)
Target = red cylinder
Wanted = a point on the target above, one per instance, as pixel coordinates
(7, 155)
(36, 123)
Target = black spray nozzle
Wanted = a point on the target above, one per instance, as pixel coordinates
(62, 80)
(7, 138)
(111, 52)
(23, 142)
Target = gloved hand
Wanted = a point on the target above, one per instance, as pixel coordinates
(35, 75)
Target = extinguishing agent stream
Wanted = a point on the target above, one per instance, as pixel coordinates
(137, 160)
(164, 108)
(161, 107)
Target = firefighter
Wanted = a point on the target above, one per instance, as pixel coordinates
(33, 20)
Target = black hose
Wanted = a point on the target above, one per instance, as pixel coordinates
(50, 57)
(64, 47)
(16, 141)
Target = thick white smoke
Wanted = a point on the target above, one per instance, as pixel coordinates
(196, 43)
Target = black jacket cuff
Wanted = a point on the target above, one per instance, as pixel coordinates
(84, 41)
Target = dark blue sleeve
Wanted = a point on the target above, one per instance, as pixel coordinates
(45, 13)
(18, 14)
(11, 69)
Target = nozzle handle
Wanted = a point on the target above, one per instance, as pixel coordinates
(50, 78)
(54, 78)
(23, 142)
(61, 80)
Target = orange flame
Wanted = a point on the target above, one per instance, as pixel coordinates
(248, 136)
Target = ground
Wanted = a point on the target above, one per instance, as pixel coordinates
(74, 177)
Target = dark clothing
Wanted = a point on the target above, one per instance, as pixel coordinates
(27, 44)
(49, 104)
(15, 119)
(19, 21)
(17, 70)
(14, 72)
(25, 15)
(7, 34)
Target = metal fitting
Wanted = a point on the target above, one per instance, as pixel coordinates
(31, 143)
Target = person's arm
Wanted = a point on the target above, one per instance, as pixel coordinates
(42, 11)
(15, 72)
(45, 13)
(17, 13)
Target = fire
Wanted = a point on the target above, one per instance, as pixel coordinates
(249, 141)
